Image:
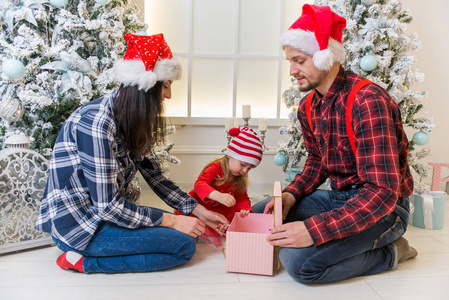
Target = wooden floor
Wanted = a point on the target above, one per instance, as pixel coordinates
(33, 274)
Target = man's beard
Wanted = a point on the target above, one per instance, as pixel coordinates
(309, 86)
(312, 84)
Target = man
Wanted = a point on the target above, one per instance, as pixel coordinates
(354, 229)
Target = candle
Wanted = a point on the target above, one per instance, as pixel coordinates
(262, 124)
(229, 123)
(236, 122)
(246, 111)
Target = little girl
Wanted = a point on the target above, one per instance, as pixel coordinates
(221, 186)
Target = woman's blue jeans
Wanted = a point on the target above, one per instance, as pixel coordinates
(365, 253)
(115, 249)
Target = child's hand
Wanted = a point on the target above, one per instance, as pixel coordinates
(225, 199)
(244, 213)
(223, 228)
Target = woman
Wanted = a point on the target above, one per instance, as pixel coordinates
(98, 151)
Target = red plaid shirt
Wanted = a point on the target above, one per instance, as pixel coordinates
(380, 164)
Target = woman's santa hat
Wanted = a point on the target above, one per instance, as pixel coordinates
(317, 32)
(245, 146)
(147, 60)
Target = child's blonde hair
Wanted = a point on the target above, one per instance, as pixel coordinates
(241, 182)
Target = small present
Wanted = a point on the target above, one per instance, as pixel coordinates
(247, 249)
(428, 210)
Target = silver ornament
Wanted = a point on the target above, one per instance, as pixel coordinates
(11, 110)
(133, 190)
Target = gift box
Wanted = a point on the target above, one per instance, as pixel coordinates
(428, 210)
(247, 249)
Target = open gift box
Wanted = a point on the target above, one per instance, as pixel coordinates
(247, 249)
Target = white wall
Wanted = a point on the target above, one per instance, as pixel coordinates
(196, 144)
(431, 23)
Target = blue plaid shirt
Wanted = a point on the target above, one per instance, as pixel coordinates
(89, 169)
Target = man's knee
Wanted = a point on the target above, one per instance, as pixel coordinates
(297, 264)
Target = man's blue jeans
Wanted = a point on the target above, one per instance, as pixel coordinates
(115, 249)
(368, 252)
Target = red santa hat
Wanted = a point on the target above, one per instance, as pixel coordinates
(147, 60)
(245, 146)
(317, 32)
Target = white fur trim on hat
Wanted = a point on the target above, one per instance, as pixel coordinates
(168, 69)
(305, 41)
(132, 72)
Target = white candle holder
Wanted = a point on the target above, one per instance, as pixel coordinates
(262, 139)
(229, 137)
(246, 122)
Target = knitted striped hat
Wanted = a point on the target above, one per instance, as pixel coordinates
(147, 60)
(245, 146)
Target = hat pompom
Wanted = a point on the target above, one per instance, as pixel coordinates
(234, 131)
(323, 59)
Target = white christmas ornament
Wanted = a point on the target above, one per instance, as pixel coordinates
(103, 36)
(13, 68)
(59, 3)
(140, 32)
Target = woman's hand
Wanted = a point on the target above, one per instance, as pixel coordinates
(223, 198)
(188, 225)
(212, 219)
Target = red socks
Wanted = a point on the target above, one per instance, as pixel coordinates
(71, 261)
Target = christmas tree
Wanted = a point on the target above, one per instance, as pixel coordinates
(57, 55)
(162, 151)
(378, 49)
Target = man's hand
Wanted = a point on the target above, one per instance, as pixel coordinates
(212, 219)
(288, 200)
(188, 225)
(292, 235)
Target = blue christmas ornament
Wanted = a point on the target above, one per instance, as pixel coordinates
(280, 159)
(140, 32)
(59, 3)
(102, 2)
(420, 138)
(13, 68)
(368, 63)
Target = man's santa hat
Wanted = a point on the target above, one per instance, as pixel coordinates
(147, 60)
(317, 32)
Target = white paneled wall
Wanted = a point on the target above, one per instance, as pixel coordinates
(196, 144)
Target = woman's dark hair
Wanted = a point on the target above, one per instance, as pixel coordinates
(140, 117)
